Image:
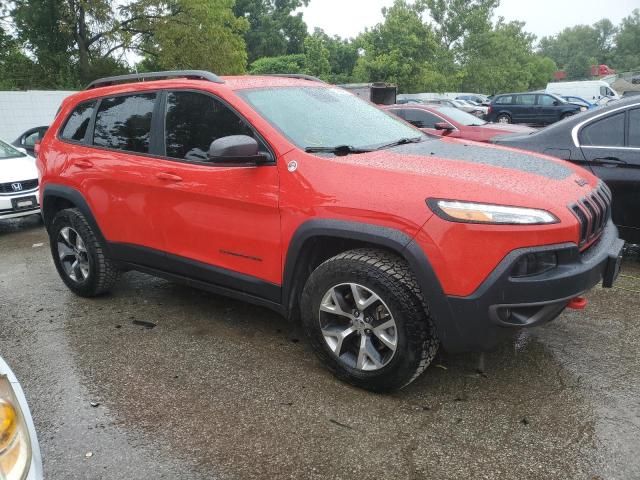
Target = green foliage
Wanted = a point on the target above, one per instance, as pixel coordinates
(502, 59)
(317, 57)
(628, 43)
(274, 29)
(283, 64)
(403, 50)
(201, 34)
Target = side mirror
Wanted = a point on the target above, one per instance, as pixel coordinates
(443, 126)
(235, 149)
(556, 103)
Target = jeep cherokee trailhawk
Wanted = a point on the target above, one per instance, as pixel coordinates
(299, 196)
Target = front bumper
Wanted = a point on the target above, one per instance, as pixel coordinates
(11, 206)
(478, 322)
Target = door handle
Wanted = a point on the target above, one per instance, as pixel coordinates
(610, 161)
(83, 164)
(168, 177)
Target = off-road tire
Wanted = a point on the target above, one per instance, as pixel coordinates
(392, 279)
(103, 273)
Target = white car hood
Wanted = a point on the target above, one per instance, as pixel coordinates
(18, 169)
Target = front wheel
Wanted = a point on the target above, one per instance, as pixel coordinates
(365, 316)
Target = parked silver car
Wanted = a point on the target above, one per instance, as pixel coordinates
(19, 449)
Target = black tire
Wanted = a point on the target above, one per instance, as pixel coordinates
(102, 273)
(503, 118)
(393, 281)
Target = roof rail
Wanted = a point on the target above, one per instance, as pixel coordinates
(141, 77)
(293, 75)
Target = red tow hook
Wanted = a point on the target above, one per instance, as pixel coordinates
(578, 303)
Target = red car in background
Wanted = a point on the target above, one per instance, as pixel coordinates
(451, 122)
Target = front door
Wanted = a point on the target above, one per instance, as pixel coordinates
(220, 224)
(611, 146)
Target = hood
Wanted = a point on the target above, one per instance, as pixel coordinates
(17, 169)
(464, 170)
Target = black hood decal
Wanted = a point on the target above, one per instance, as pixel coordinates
(487, 156)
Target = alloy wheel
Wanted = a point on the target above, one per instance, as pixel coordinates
(73, 254)
(358, 327)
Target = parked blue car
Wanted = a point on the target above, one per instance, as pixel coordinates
(579, 101)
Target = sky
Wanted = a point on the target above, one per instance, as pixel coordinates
(347, 18)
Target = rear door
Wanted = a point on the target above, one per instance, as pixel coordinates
(611, 146)
(525, 109)
(113, 167)
(217, 220)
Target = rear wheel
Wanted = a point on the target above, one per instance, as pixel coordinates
(503, 118)
(364, 314)
(79, 255)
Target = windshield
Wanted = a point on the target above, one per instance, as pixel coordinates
(314, 117)
(7, 151)
(463, 118)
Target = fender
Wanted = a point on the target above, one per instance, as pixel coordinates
(52, 190)
(385, 237)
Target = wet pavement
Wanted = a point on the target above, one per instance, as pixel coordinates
(218, 389)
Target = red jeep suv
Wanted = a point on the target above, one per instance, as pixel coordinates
(297, 195)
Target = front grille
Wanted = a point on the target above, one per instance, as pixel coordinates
(593, 212)
(26, 186)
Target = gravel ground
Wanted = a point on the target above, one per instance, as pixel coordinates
(221, 389)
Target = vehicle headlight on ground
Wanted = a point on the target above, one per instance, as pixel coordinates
(15, 448)
(471, 212)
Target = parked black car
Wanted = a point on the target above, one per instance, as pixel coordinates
(605, 141)
(538, 108)
(29, 138)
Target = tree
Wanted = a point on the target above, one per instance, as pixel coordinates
(502, 59)
(283, 64)
(274, 29)
(628, 43)
(403, 50)
(197, 34)
(316, 57)
(343, 55)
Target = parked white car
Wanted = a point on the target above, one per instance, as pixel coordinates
(596, 92)
(20, 457)
(18, 183)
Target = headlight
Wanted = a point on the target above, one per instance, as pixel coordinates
(583, 109)
(470, 212)
(15, 448)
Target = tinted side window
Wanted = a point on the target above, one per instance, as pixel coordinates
(634, 127)
(421, 118)
(546, 100)
(525, 100)
(78, 121)
(399, 112)
(194, 120)
(124, 122)
(506, 100)
(608, 132)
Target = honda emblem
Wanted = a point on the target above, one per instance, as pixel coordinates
(17, 187)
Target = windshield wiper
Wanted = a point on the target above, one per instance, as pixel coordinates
(402, 141)
(337, 150)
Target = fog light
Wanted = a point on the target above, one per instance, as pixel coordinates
(535, 264)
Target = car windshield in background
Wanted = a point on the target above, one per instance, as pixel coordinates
(461, 117)
(7, 151)
(319, 117)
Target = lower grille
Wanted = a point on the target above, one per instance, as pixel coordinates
(24, 185)
(593, 212)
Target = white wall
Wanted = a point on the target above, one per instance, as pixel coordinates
(20, 111)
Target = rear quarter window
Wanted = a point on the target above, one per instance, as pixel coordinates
(75, 128)
(607, 132)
